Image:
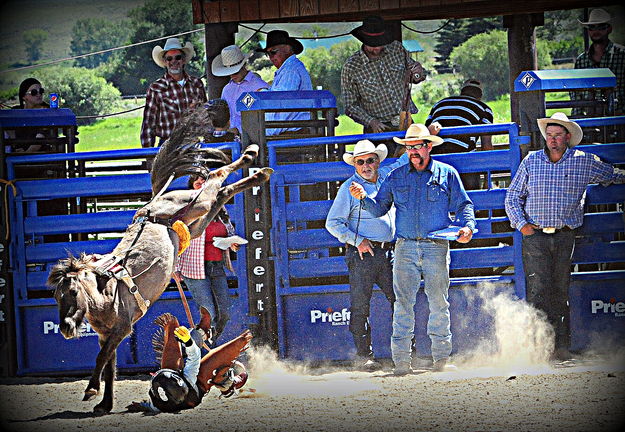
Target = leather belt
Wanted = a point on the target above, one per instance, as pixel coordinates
(382, 245)
(551, 230)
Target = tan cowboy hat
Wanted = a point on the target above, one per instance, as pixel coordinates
(230, 61)
(418, 131)
(364, 147)
(158, 53)
(562, 120)
(597, 16)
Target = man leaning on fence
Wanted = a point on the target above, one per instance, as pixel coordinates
(545, 202)
(369, 241)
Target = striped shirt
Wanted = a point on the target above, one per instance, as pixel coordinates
(551, 194)
(291, 76)
(165, 102)
(191, 261)
(613, 59)
(375, 89)
(459, 111)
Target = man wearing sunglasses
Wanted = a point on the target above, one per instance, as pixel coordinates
(602, 53)
(424, 192)
(171, 95)
(368, 244)
(290, 75)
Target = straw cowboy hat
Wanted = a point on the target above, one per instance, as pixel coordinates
(281, 37)
(372, 32)
(158, 53)
(597, 16)
(418, 131)
(230, 61)
(364, 147)
(562, 120)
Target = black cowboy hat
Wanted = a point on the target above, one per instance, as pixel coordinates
(281, 37)
(373, 32)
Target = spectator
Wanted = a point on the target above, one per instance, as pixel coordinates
(602, 53)
(203, 267)
(183, 380)
(464, 110)
(369, 242)
(291, 75)
(375, 81)
(232, 62)
(31, 97)
(424, 192)
(545, 202)
(171, 95)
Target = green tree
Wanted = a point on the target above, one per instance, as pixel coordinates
(34, 40)
(81, 90)
(156, 18)
(491, 49)
(456, 32)
(95, 34)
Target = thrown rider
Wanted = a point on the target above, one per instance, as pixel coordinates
(181, 384)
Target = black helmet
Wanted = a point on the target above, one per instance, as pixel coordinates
(168, 390)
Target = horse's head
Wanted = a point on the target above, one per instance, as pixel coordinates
(70, 279)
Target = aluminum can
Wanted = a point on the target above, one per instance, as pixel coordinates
(54, 100)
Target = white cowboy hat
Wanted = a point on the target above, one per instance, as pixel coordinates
(562, 120)
(230, 61)
(364, 147)
(418, 131)
(597, 16)
(158, 53)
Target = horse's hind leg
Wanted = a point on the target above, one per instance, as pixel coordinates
(106, 404)
(205, 210)
(246, 159)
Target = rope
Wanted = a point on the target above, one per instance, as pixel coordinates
(425, 32)
(6, 203)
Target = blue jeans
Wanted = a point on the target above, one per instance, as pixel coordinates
(363, 273)
(547, 267)
(413, 259)
(212, 293)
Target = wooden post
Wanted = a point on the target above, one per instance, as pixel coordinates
(525, 107)
(217, 37)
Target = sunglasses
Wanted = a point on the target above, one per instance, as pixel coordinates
(35, 92)
(598, 26)
(417, 146)
(176, 57)
(272, 52)
(368, 161)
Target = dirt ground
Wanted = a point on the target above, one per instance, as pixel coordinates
(587, 395)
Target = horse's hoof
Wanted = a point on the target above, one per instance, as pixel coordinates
(90, 394)
(102, 408)
(252, 148)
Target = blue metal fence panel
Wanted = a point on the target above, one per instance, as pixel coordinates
(564, 79)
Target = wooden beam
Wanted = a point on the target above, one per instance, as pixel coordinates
(269, 9)
(309, 7)
(250, 11)
(289, 8)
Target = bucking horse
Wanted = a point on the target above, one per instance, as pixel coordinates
(114, 291)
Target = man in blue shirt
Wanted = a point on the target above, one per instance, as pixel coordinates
(291, 74)
(369, 241)
(545, 201)
(424, 193)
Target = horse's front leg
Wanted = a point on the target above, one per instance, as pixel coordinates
(106, 405)
(108, 347)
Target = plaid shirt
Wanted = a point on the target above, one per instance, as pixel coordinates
(375, 89)
(613, 59)
(191, 262)
(165, 102)
(552, 194)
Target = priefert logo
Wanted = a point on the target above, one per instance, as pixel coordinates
(611, 307)
(330, 316)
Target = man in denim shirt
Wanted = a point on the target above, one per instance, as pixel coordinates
(545, 202)
(369, 241)
(424, 192)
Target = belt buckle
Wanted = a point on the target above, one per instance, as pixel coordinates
(549, 230)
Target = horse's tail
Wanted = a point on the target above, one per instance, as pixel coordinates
(158, 338)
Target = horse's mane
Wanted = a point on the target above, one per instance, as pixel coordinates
(181, 154)
(71, 264)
